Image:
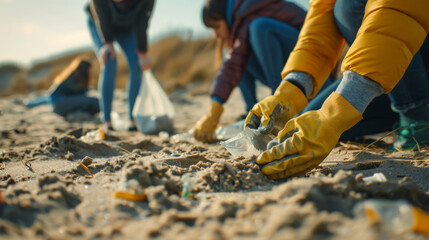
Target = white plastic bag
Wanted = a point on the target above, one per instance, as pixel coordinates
(153, 110)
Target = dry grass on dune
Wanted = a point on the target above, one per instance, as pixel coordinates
(7, 73)
(176, 63)
(41, 75)
(9, 68)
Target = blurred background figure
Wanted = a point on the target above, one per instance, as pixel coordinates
(124, 22)
(259, 36)
(67, 94)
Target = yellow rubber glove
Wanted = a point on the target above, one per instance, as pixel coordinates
(306, 140)
(271, 114)
(206, 126)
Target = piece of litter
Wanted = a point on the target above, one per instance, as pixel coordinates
(247, 143)
(92, 136)
(175, 155)
(86, 169)
(28, 165)
(119, 122)
(183, 137)
(188, 186)
(2, 198)
(377, 177)
(130, 196)
(230, 131)
(190, 195)
(163, 134)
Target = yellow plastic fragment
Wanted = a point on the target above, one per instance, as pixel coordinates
(103, 137)
(2, 198)
(192, 196)
(421, 221)
(130, 196)
(86, 169)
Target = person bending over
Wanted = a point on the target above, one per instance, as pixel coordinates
(124, 22)
(259, 36)
(390, 38)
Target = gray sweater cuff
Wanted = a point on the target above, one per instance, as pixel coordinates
(304, 80)
(358, 90)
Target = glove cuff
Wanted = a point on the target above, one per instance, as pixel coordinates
(340, 113)
(290, 93)
(215, 110)
(302, 80)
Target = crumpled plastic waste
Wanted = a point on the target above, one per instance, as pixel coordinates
(188, 186)
(247, 143)
(222, 133)
(398, 216)
(183, 137)
(230, 131)
(377, 177)
(93, 136)
(238, 142)
(119, 122)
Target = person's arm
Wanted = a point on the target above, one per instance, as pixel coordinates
(142, 25)
(391, 34)
(102, 18)
(226, 80)
(308, 66)
(319, 45)
(232, 69)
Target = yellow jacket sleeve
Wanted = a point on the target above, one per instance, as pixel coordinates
(391, 33)
(319, 44)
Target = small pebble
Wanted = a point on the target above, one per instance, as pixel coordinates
(69, 156)
(87, 161)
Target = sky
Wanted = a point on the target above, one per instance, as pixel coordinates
(31, 30)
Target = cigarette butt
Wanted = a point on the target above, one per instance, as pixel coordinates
(130, 196)
(86, 169)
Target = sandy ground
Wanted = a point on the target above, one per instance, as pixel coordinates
(47, 195)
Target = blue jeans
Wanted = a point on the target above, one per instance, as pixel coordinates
(106, 84)
(65, 104)
(271, 41)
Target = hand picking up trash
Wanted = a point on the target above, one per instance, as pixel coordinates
(220, 134)
(247, 143)
(237, 141)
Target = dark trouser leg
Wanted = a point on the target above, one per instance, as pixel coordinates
(272, 41)
(106, 82)
(67, 104)
(378, 117)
